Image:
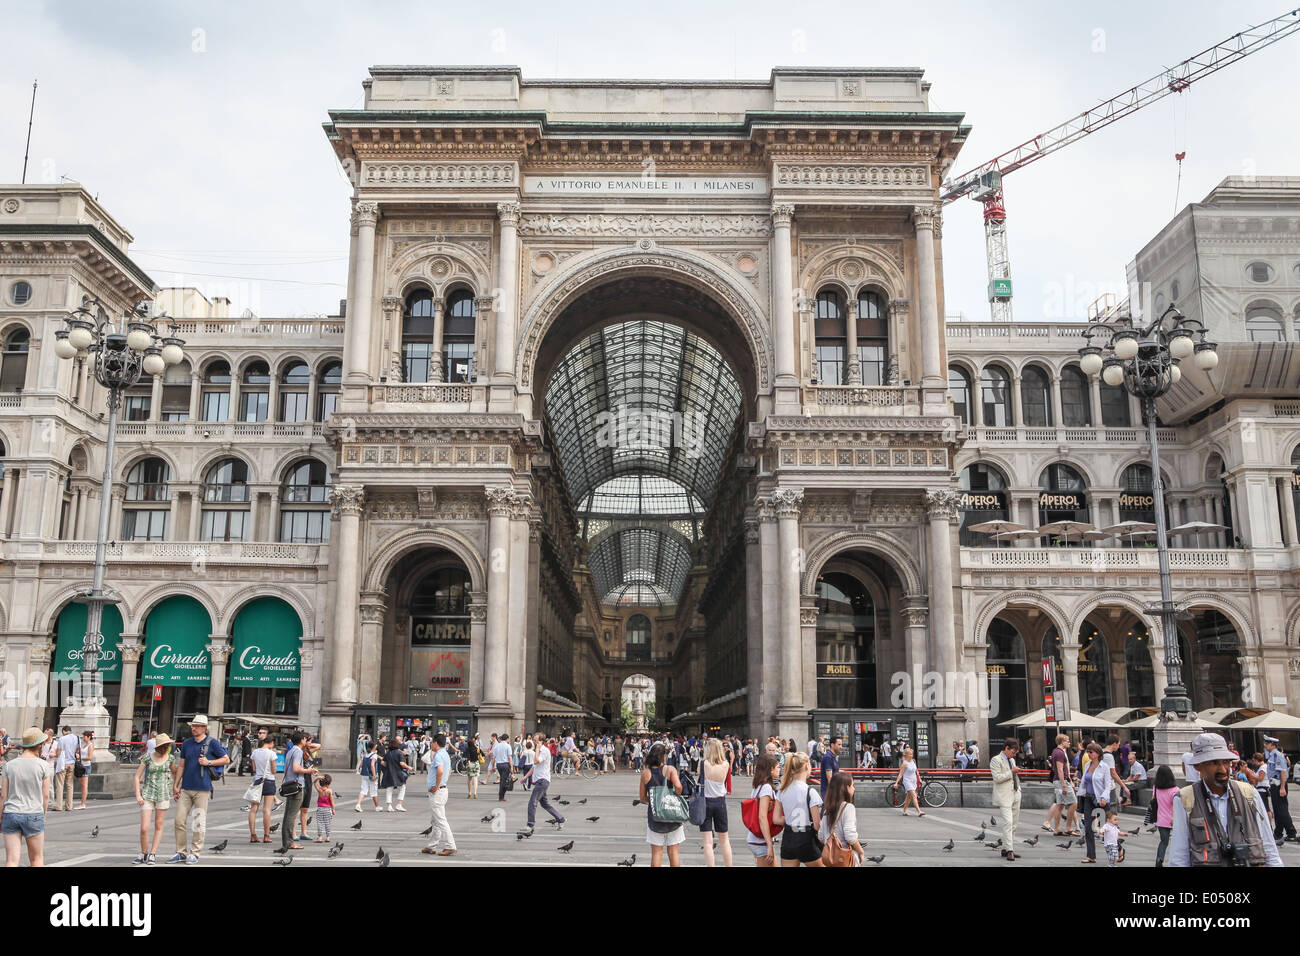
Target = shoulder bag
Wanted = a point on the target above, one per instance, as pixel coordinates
(666, 805)
(749, 816)
(290, 788)
(699, 807)
(812, 831)
(835, 853)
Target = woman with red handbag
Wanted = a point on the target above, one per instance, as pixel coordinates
(756, 812)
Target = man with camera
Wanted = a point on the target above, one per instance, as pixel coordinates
(1219, 821)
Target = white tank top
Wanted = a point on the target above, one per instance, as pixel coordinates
(713, 788)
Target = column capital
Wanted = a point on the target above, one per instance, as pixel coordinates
(782, 214)
(787, 502)
(916, 612)
(899, 307)
(219, 651)
(765, 509)
(927, 217)
(808, 616)
(348, 499)
(364, 213)
(372, 612)
(391, 304)
(486, 303)
(500, 501)
(942, 503)
(40, 652)
(508, 213)
(477, 612)
(131, 651)
(751, 530)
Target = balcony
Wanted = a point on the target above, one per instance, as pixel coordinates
(189, 431)
(882, 400)
(1064, 435)
(173, 552)
(1103, 559)
(264, 332)
(458, 395)
(1036, 336)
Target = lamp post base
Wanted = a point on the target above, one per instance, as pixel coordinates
(1173, 738)
(89, 713)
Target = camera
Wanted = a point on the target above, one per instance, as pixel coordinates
(1234, 854)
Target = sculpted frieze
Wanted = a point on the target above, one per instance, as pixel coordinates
(601, 224)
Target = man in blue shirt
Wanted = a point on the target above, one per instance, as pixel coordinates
(1275, 761)
(195, 788)
(440, 835)
(831, 763)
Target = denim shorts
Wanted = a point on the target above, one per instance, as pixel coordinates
(25, 824)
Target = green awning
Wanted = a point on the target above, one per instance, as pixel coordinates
(267, 638)
(72, 633)
(177, 634)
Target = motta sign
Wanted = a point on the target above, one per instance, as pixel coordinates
(838, 670)
(668, 187)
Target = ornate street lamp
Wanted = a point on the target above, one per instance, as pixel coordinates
(1145, 360)
(122, 352)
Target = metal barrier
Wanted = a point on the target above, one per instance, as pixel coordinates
(938, 774)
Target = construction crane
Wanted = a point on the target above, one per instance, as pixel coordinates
(984, 183)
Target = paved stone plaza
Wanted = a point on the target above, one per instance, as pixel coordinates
(619, 833)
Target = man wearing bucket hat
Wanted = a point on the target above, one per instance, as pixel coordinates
(199, 755)
(1275, 761)
(1219, 821)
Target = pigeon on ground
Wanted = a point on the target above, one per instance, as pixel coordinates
(949, 846)
(593, 819)
(979, 836)
(220, 846)
(563, 803)
(567, 847)
(355, 826)
(1082, 841)
(877, 859)
(486, 819)
(379, 854)
(310, 817)
(276, 826)
(1033, 842)
(428, 831)
(386, 860)
(1065, 846)
(1151, 829)
(983, 825)
(630, 861)
(283, 861)
(993, 821)
(94, 833)
(582, 801)
(998, 845)
(334, 851)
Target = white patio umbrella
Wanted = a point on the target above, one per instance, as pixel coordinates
(997, 528)
(1273, 720)
(1065, 529)
(1037, 720)
(1130, 529)
(1197, 528)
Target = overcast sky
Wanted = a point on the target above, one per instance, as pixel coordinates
(198, 124)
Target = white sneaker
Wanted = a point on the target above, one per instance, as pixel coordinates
(390, 808)
(401, 809)
(357, 808)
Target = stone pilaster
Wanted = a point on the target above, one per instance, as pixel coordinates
(792, 713)
(941, 507)
(506, 295)
(131, 648)
(783, 306)
(348, 502)
(501, 502)
(356, 353)
(926, 219)
(219, 651)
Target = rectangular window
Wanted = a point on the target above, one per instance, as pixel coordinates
(293, 406)
(253, 406)
(459, 359)
(1074, 402)
(138, 525)
(175, 403)
(326, 403)
(216, 406)
(136, 408)
(1114, 407)
(830, 365)
(871, 360)
(415, 361)
(224, 526)
(304, 527)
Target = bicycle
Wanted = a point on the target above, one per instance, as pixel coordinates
(932, 793)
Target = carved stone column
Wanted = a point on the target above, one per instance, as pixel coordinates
(769, 548)
(783, 297)
(477, 608)
(348, 502)
(437, 367)
(808, 650)
(507, 294)
(853, 375)
(927, 222)
(916, 618)
(131, 648)
(894, 374)
(754, 625)
(219, 651)
(501, 503)
(356, 352)
(788, 502)
(941, 508)
(391, 362)
(32, 710)
(373, 611)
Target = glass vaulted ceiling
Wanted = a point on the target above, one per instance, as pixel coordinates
(643, 415)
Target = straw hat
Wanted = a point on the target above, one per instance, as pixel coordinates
(162, 740)
(33, 736)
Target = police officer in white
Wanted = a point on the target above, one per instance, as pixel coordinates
(1219, 821)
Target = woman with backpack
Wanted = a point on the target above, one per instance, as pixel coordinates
(798, 806)
(839, 827)
(660, 835)
(368, 771)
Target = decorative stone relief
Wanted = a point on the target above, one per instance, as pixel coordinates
(500, 501)
(347, 499)
(436, 174)
(788, 502)
(943, 503)
(602, 224)
(852, 176)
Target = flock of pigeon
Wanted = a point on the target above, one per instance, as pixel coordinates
(979, 838)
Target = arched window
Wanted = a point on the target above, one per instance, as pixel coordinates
(1094, 670)
(995, 396)
(1062, 496)
(225, 502)
(1006, 667)
(1264, 323)
(1137, 664)
(829, 332)
(255, 393)
(147, 485)
(1035, 397)
(846, 642)
(304, 504)
(327, 390)
(1114, 406)
(1137, 499)
(458, 337)
(417, 336)
(1295, 488)
(216, 392)
(637, 643)
(1076, 409)
(295, 381)
(959, 389)
(873, 338)
(13, 361)
(983, 499)
(176, 393)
